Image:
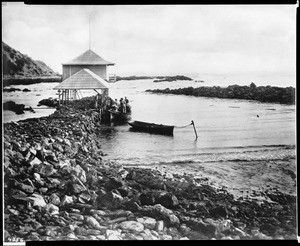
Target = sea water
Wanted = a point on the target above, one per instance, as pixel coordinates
(228, 129)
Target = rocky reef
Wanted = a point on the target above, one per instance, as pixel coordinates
(58, 187)
(171, 78)
(268, 93)
(17, 108)
(156, 78)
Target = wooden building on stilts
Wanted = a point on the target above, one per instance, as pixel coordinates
(86, 72)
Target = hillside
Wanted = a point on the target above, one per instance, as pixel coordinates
(16, 64)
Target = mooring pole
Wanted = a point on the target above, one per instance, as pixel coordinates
(194, 129)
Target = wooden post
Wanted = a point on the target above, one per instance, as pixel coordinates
(194, 129)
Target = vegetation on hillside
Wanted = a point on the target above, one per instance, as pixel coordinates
(17, 64)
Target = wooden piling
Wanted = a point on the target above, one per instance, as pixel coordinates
(195, 129)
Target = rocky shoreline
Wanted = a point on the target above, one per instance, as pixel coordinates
(21, 80)
(57, 187)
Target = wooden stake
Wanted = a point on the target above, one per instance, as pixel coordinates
(194, 129)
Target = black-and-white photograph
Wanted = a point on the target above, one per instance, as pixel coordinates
(148, 122)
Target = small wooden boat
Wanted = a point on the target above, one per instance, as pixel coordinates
(151, 127)
(118, 116)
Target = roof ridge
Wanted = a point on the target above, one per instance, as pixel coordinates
(89, 57)
(86, 79)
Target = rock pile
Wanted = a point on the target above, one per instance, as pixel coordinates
(57, 187)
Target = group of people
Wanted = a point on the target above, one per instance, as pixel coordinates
(106, 103)
(122, 106)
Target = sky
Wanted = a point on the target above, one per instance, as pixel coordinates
(158, 39)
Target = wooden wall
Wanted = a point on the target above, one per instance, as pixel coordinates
(69, 70)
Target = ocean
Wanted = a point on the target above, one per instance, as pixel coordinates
(231, 133)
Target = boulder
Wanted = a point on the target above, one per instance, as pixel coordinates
(147, 198)
(67, 142)
(10, 172)
(113, 235)
(66, 200)
(18, 195)
(57, 147)
(166, 237)
(159, 226)
(208, 229)
(51, 209)
(92, 222)
(148, 222)
(27, 188)
(219, 211)
(75, 188)
(133, 226)
(111, 200)
(38, 200)
(113, 183)
(35, 161)
(45, 169)
(79, 173)
(17, 158)
(54, 199)
(168, 200)
(160, 212)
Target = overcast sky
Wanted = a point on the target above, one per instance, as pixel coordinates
(158, 40)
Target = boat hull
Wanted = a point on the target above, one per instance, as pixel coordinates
(151, 127)
(116, 116)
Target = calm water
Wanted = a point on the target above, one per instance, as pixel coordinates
(227, 129)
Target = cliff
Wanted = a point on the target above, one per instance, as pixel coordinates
(17, 64)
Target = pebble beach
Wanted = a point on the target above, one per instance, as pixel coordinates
(57, 186)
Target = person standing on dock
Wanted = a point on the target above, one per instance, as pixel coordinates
(126, 100)
(127, 106)
(122, 106)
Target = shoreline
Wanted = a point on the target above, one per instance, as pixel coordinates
(9, 81)
(57, 187)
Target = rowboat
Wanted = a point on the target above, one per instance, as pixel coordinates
(118, 116)
(151, 127)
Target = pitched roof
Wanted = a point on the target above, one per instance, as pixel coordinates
(85, 79)
(88, 58)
